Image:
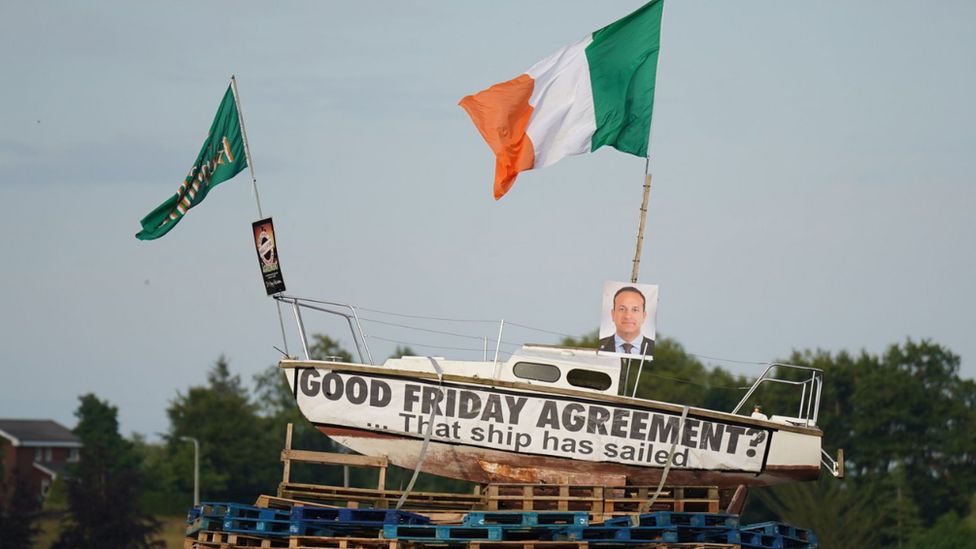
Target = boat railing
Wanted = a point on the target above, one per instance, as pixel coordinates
(344, 310)
(810, 388)
(353, 319)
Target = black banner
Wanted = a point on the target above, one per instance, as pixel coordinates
(267, 248)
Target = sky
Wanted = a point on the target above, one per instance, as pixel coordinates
(813, 186)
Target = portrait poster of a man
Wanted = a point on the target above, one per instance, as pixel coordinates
(629, 321)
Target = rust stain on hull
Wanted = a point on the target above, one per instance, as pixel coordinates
(483, 465)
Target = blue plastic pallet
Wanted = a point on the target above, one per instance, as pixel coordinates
(526, 518)
(712, 535)
(252, 526)
(213, 524)
(208, 509)
(311, 529)
(673, 519)
(782, 529)
(618, 534)
(376, 516)
(192, 514)
(759, 540)
(442, 533)
(333, 529)
(250, 512)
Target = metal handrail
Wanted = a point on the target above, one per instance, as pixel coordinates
(357, 331)
(809, 409)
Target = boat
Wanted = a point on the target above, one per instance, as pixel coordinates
(549, 414)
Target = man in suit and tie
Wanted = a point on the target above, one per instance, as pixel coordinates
(629, 313)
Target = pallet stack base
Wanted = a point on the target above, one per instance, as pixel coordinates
(495, 516)
(309, 527)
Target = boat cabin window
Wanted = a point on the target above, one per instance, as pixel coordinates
(589, 379)
(536, 371)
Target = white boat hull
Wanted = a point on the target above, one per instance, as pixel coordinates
(493, 431)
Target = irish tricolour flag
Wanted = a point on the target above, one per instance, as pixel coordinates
(598, 91)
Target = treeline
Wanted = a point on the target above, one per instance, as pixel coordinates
(905, 418)
(110, 499)
(907, 423)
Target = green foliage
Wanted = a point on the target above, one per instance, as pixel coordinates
(161, 494)
(905, 419)
(971, 519)
(845, 513)
(403, 351)
(905, 410)
(841, 514)
(103, 488)
(239, 452)
(323, 347)
(18, 511)
(57, 497)
(586, 341)
(948, 532)
(676, 376)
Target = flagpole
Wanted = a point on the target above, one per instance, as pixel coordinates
(247, 149)
(254, 186)
(647, 176)
(643, 220)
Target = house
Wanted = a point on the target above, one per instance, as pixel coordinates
(35, 451)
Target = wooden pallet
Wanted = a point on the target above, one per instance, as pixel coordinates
(299, 542)
(600, 501)
(690, 499)
(207, 539)
(353, 498)
(305, 542)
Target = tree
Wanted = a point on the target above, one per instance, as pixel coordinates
(949, 532)
(905, 411)
(905, 419)
(840, 514)
(586, 341)
(239, 453)
(104, 487)
(324, 347)
(403, 351)
(17, 511)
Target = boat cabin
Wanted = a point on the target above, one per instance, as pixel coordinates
(561, 367)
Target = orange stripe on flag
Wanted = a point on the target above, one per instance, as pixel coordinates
(501, 113)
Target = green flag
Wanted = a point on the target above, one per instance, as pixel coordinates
(220, 159)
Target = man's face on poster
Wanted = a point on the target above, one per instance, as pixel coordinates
(628, 314)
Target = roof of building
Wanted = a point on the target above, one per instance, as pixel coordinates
(37, 432)
(53, 469)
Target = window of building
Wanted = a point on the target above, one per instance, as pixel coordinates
(536, 371)
(589, 379)
(73, 455)
(48, 455)
(45, 487)
(38, 454)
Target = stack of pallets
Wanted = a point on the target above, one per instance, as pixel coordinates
(308, 527)
(495, 516)
(600, 501)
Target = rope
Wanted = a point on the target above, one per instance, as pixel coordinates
(646, 506)
(423, 447)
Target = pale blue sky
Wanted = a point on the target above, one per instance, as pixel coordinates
(813, 184)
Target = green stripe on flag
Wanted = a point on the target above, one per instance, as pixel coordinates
(221, 158)
(623, 69)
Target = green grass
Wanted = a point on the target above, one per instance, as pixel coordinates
(172, 532)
